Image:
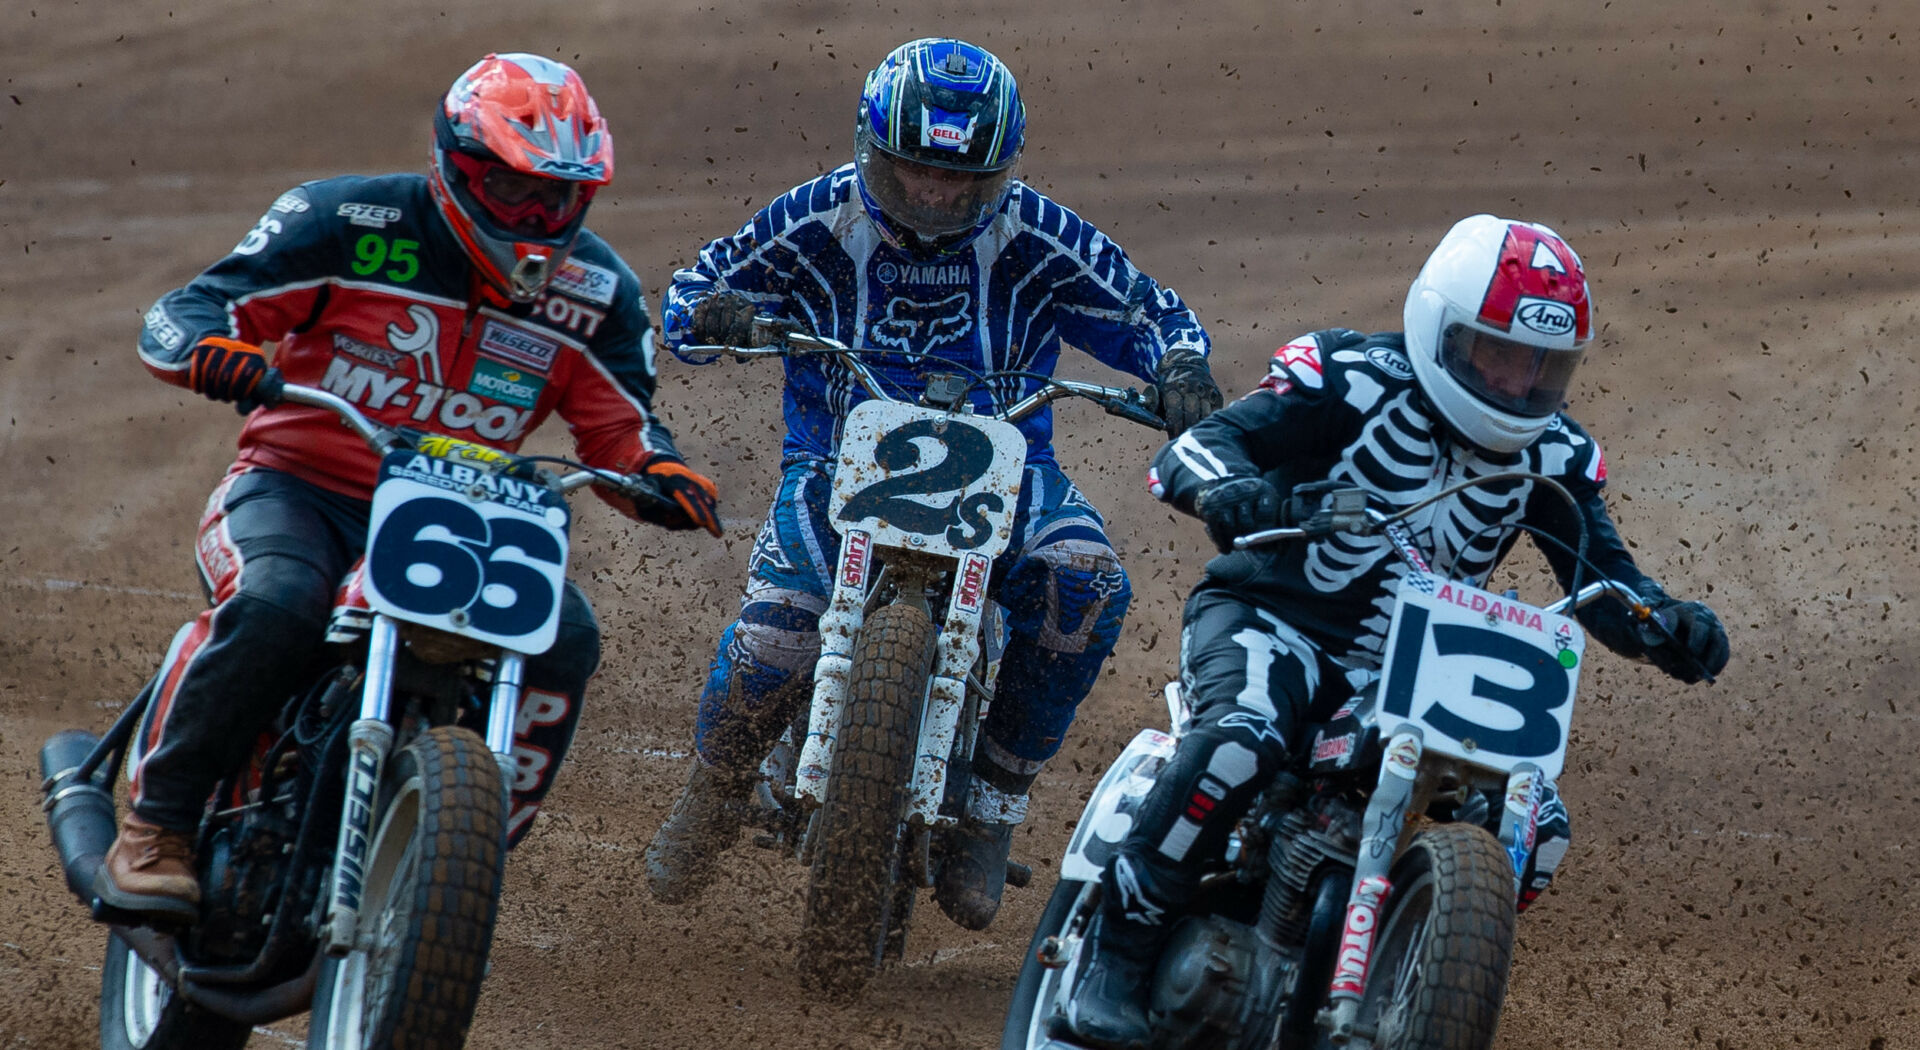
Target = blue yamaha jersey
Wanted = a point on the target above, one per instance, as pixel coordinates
(1037, 276)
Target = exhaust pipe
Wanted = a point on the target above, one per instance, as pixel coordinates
(79, 809)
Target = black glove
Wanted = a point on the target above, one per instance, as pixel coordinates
(1233, 507)
(723, 319)
(227, 369)
(1187, 391)
(1693, 644)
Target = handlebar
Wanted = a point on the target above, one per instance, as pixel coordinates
(784, 339)
(384, 439)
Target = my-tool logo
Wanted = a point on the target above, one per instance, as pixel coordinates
(505, 383)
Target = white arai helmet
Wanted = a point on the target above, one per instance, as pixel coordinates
(1496, 323)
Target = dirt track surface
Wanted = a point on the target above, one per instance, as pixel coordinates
(1738, 176)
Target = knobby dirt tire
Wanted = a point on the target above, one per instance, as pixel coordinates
(138, 1011)
(433, 889)
(1439, 970)
(856, 857)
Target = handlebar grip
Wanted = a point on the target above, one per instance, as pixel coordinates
(1134, 412)
(645, 494)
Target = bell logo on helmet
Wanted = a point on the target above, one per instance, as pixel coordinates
(949, 136)
(1537, 267)
(1546, 317)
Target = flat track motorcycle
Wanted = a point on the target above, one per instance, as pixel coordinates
(877, 766)
(1368, 899)
(354, 864)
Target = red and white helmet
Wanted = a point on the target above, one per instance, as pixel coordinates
(1496, 323)
(519, 149)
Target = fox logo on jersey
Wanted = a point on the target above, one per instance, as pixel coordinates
(912, 325)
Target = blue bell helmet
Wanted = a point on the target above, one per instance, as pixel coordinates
(941, 127)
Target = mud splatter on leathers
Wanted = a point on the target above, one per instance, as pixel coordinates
(1036, 276)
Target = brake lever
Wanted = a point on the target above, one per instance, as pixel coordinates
(1133, 408)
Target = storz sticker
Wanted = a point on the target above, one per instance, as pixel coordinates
(1393, 364)
(519, 346)
(973, 579)
(374, 215)
(586, 281)
(853, 572)
(504, 383)
(1546, 316)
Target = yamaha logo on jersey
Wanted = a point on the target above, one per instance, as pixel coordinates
(949, 273)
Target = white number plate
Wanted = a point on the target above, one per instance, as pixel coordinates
(928, 481)
(1490, 679)
(467, 551)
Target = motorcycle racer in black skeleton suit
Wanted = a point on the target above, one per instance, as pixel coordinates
(1276, 637)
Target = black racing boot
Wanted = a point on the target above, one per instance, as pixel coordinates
(1108, 1008)
(705, 821)
(973, 872)
(973, 868)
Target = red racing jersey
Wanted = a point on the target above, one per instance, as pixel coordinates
(367, 295)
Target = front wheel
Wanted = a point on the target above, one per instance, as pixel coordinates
(1439, 968)
(138, 1011)
(1036, 992)
(856, 857)
(427, 912)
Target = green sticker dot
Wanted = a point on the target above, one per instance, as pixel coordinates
(1568, 658)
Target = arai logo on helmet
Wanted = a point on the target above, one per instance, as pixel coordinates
(950, 136)
(1546, 316)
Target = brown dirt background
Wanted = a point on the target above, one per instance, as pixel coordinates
(1739, 177)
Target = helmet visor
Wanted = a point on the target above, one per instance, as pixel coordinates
(931, 201)
(519, 203)
(1514, 377)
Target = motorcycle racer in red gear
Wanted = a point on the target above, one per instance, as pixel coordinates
(469, 301)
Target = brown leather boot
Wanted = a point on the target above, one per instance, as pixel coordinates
(149, 871)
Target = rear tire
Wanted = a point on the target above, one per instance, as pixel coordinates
(432, 891)
(861, 830)
(138, 1011)
(1439, 969)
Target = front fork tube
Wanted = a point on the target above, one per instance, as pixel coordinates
(368, 741)
(1382, 829)
(1520, 817)
(957, 650)
(846, 610)
(503, 710)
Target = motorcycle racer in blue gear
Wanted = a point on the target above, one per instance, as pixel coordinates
(929, 245)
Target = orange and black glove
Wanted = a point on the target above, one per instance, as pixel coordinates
(229, 370)
(691, 500)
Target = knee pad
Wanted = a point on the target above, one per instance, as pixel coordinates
(1070, 596)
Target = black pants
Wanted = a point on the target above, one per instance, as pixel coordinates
(1253, 682)
(272, 550)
